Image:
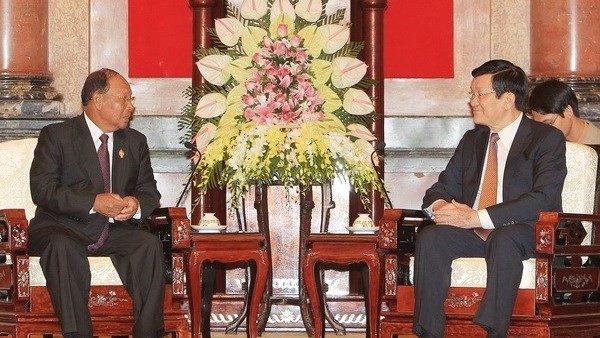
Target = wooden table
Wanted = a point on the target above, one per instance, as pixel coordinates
(343, 249)
(226, 248)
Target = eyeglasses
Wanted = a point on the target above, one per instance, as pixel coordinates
(124, 99)
(479, 95)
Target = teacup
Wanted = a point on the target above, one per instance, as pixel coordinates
(209, 220)
(363, 221)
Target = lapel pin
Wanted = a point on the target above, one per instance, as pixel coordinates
(121, 153)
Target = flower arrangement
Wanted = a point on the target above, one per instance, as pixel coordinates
(286, 104)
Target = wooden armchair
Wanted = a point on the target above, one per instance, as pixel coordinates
(559, 292)
(25, 306)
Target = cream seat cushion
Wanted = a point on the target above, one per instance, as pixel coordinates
(16, 158)
(577, 197)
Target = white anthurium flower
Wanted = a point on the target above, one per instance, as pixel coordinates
(321, 70)
(252, 37)
(254, 9)
(313, 40)
(240, 68)
(334, 37)
(213, 69)
(280, 7)
(357, 102)
(309, 10)
(282, 19)
(347, 71)
(361, 132)
(229, 30)
(204, 135)
(211, 105)
(366, 149)
(332, 100)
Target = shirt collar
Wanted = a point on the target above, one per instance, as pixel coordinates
(95, 130)
(508, 133)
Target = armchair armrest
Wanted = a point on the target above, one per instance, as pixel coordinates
(173, 228)
(396, 242)
(172, 224)
(397, 229)
(14, 262)
(567, 271)
(14, 231)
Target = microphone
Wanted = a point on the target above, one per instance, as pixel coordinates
(192, 147)
(379, 148)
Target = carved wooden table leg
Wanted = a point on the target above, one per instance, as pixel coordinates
(207, 292)
(227, 248)
(194, 271)
(344, 250)
(262, 262)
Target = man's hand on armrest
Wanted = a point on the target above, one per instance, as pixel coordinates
(457, 214)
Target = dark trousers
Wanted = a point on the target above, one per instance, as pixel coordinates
(438, 245)
(137, 256)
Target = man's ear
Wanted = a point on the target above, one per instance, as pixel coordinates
(568, 112)
(509, 100)
(98, 100)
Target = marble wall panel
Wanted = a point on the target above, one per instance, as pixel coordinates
(68, 35)
(510, 34)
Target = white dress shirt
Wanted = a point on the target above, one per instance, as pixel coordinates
(507, 136)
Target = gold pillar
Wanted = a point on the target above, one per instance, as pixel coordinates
(24, 75)
(565, 45)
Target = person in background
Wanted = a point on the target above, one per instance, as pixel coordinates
(92, 182)
(503, 173)
(553, 102)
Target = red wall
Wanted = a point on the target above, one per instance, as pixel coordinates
(418, 39)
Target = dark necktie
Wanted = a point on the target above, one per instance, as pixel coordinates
(489, 187)
(103, 157)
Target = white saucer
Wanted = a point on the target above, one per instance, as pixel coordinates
(208, 229)
(363, 230)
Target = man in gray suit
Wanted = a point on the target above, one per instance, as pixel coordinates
(88, 204)
(528, 172)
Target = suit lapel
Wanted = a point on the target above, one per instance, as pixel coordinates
(520, 144)
(481, 141)
(88, 156)
(119, 159)
(480, 148)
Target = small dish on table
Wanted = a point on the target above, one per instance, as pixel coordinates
(207, 229)
(363, 230)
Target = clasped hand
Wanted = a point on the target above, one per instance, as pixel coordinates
(116, 207)
(456, 214)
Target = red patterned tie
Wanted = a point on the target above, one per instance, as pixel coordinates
(105, 166)
(489, 187)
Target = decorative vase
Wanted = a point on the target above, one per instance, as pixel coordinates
(209, 220)
(363, 221)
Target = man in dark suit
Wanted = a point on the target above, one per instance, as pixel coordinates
(87, 209)
(527, 178)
